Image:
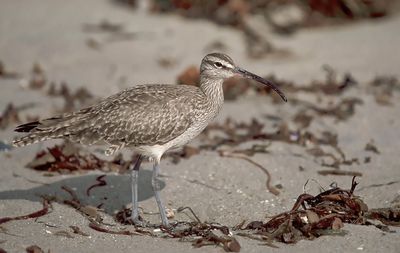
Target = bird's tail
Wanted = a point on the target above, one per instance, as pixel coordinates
(51, 128)
(33, 136)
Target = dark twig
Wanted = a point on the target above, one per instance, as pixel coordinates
(180, 209)
(101, 182)
(270, 188)
(41, 212)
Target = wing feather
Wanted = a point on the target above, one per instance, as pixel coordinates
(144, 115)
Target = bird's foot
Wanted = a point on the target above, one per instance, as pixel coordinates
(138, 222)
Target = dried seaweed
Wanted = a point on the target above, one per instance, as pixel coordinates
(38, 77)
(116, 31)
(388, 216)
(382, 88)
(310, 217)
(236, 133)
(77, 230)
(166, 62)
(72, 100)
(186, 152)
(210, 234)
(190, 76)
(370, 146)
(235, 13)
(330, 86)
(322, 214)
(342, 111)
(99, 228)
(256, 45)
(63, 233)
(34, 249)
(65, 158)
(39, 213)
(340, 173)
(70, 158)
(9, 116)
(88, 211)
(100, 182)
(313, 13)
(270, 188)
(7, 74)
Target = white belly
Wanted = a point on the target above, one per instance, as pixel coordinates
(156, 151)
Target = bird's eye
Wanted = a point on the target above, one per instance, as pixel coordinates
(218, 64)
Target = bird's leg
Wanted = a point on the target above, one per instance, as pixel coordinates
(134, 185)
(155, 182)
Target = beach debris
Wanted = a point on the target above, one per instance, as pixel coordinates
(7, 74)
(38, 77)
(65, 158)
(350, 9)
(69, 158)
(167, 62)
(370, 146)
(323, 214)
(339, 173)
(100, 182)
(9, 116)
(77, 230)
(270, 188)
(96, 226)
(382, 88)
(91, 212)
(257, 46)
(63, 233)
(190, 76)
(342, 111)
(185, 152)
(388, 216)
(203, 234)
(294, 14)
(34, 249)
(36, 214)
(72, 100)
(236, 133)
(285, 17)
(310, 217)
(115, 31)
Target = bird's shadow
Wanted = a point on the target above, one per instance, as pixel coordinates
(113, 196)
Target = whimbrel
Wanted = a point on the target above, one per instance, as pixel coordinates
(149, 119)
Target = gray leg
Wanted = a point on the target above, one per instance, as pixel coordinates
(155, 182)
(134, 185)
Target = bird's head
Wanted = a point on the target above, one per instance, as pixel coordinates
(221, 66)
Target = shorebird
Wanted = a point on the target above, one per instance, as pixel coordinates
(149, 119)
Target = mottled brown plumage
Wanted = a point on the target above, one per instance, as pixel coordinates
(150, 119)
(139, 116)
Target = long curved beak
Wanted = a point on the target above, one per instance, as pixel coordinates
(247, 74)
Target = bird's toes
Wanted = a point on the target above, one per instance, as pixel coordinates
(140, 223)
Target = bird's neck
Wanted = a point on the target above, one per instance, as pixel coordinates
(212, 88)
